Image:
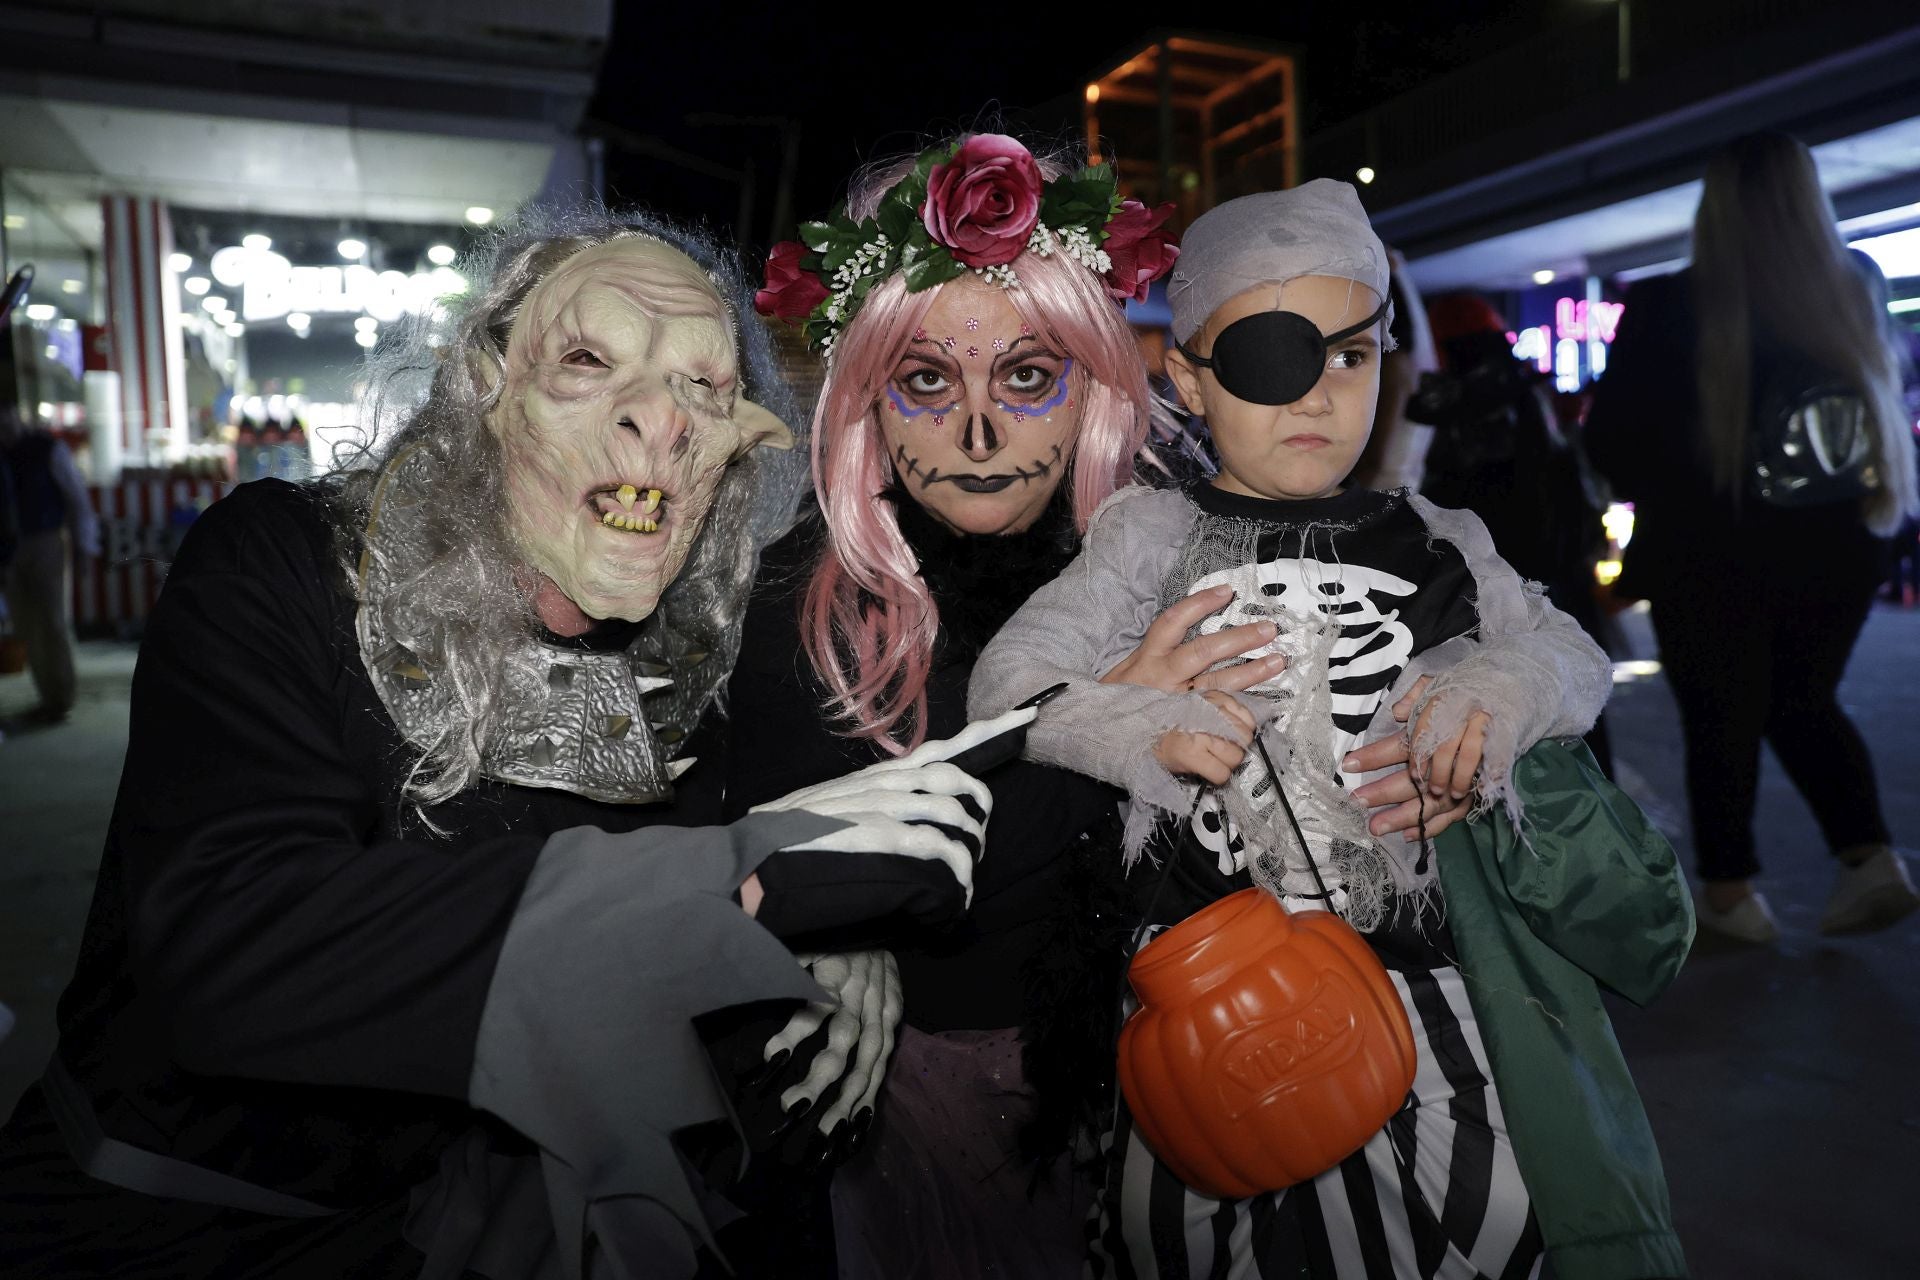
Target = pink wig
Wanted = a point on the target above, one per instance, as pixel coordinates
(867, 621)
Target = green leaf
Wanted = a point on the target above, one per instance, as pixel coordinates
(897, 217)
(924, 166)
(935, 267)
(815, 234)
(836, 256)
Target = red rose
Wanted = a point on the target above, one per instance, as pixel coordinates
(1140, 249)
(792, 292)
(983, 204)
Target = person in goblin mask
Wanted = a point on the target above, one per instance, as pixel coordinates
(393, 956)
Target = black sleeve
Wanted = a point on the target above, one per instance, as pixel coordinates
(284, 937)
(778, 737)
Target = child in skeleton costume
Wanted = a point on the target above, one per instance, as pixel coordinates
(412, 891)
(1384, 608)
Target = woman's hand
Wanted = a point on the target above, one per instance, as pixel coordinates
(1428, 795)
(1204, 755)
(1167, 661)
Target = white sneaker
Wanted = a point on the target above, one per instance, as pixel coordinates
(1748, 920)
(1870, 896)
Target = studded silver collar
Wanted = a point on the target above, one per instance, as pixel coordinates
(605, 725)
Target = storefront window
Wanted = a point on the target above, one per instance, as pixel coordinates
(44, 377)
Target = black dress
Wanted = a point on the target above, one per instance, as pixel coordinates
(1015, 962)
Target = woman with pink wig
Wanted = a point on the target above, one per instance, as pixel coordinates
(983, 396)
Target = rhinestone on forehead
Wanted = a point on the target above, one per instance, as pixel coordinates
(919, 335)
(950, 342)
(973, 353)
(973, 325)
(999, 344)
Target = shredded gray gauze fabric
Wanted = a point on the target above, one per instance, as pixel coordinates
(1536, 672)
(1532, 670)
(1339, 854)
(586, 1044)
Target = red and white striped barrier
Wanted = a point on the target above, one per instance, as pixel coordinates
(141, 524)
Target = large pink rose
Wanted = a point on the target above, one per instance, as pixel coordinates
(792, 292)
(1140, 248)
(983, 204)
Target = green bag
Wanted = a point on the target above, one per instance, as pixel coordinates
(1592, 895)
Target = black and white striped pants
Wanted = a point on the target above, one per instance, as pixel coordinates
(1434, 1195)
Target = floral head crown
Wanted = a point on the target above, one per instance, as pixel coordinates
(972, 205)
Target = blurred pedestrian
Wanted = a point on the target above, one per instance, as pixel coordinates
(1396, 452)
(1499, 450)
(51, 519)
(1752, 414)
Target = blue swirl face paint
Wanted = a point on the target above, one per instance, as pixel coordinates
(1019, 413)
(907, 411)
(1052, 402)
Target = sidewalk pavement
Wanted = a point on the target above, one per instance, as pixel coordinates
(1781, 1084)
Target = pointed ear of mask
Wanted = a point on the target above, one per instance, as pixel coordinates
(759, 426)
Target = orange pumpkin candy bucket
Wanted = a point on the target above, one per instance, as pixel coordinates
(1268, 1047)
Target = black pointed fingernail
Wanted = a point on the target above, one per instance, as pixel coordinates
(794, 1115)
(821, 1147)
(770, 1068)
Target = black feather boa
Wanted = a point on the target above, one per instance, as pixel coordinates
(978, 582)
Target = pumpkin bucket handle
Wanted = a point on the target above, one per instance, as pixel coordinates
(1273, 776)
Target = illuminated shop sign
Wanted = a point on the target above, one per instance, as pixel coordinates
(270, 286)
(1582, 321)
(1574, 347)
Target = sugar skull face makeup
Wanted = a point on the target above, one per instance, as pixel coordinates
(980, 416)
(620, 414)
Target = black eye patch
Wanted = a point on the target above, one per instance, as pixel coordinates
(1273, 357)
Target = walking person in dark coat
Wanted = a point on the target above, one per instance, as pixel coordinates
(1757, 604)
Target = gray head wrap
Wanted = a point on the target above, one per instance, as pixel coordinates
(1316, 229)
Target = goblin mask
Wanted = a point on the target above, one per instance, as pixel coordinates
(620, 414)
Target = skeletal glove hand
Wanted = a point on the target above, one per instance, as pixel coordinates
(907, 818)
(844, 1077)
(805, 1097)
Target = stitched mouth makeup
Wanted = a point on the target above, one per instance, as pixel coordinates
(971, 482)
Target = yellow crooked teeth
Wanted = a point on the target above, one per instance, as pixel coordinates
(633, 524)
(626, 494)
(653, 500)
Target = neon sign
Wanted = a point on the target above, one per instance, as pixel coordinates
(1535, 346)
(1574, 347)
(1578, 320)
(271, 287)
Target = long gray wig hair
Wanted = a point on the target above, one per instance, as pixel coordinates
(454, 593)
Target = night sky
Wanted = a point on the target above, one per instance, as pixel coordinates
(703, 82)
